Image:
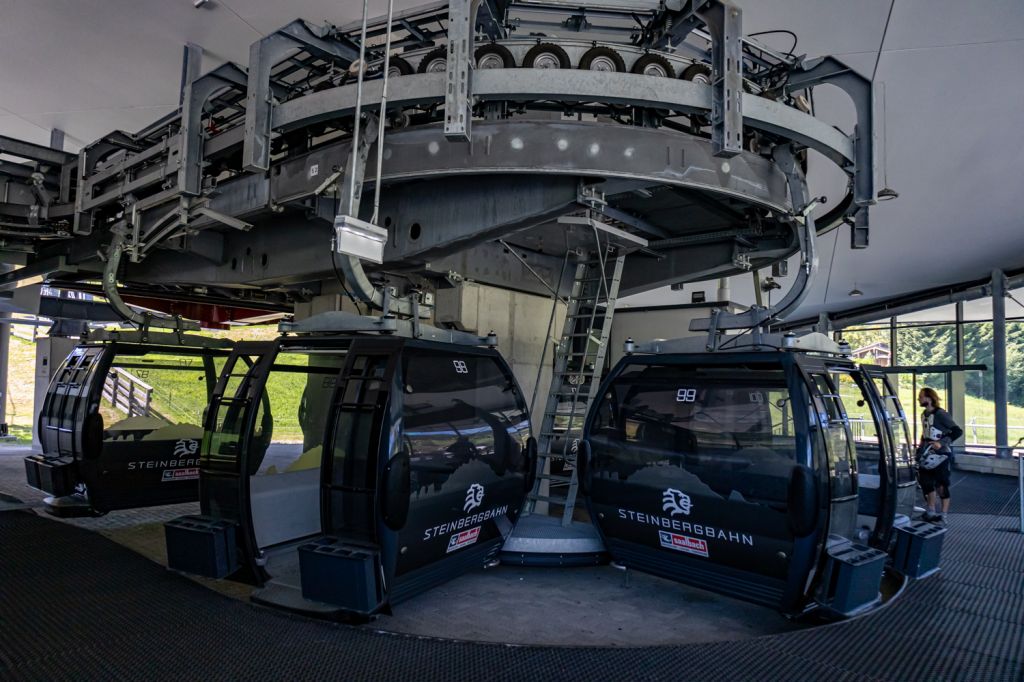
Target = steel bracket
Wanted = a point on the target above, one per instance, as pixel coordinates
(194, 97)
(814, 72)
(725, 23)
(264, 54)
(458, 71)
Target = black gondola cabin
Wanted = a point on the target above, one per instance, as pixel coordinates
(121, 424)
(346, 473)
(738, 471)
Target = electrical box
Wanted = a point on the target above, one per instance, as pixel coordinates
(355, 237)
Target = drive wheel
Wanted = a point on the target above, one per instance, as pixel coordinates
(602, 59)
(546, 56)
(654, 65)
(398, 67)
(698, 73)
(435, 61)
(494, 56)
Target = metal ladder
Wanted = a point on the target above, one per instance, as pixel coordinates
(579, 359)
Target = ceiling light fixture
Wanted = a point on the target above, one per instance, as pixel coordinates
(199, 3)
(887, 193)
(855, 292)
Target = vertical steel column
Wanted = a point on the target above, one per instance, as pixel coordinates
(458, 108)
(892, 342)
(5, 350)
(725, 22)
(256, 146)
(57, 139)
(999, 360)
(191, 61)
(960, 351)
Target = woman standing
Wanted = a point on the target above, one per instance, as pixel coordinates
(933, 454)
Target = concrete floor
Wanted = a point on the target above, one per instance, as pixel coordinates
(595, 606)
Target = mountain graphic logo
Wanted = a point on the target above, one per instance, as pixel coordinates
(474, 497)
(676, 502)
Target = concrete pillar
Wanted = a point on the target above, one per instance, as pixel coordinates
(999, 360)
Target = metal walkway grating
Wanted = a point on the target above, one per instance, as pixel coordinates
(75, 605)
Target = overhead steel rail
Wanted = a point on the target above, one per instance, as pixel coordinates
(674, 125)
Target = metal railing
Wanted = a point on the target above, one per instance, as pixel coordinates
(973, 426)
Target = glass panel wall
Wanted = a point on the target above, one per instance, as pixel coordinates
(929, 338)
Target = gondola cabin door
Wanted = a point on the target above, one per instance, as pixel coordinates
(876, 463)
(830, 427)
(360, 413)
(903, 453)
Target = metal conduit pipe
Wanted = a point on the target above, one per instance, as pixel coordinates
(114, 253)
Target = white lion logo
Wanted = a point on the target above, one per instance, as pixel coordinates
(676, 502)
(474, 496)
(186, 447)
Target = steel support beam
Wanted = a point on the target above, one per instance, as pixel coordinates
(490, 18)
(674, 24)
(999, 362)
(657, 157)
(38, 268)
(570, 85)
(34, 152)
(5, 351)
(725, 22)
(458, 107)
(432, 219)
(191, 65)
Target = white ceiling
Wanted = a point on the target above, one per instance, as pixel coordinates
(950, 72)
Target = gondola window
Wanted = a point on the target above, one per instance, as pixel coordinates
(736, 436)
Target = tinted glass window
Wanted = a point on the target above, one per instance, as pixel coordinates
(156, 397)
(457, 410)
(835, 428)
(900, 430)
(221, 443)
(731, 428)
(866, 437)
(357, 424)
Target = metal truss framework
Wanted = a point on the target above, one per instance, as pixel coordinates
(233, 195)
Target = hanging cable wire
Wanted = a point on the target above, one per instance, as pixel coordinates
(383, 114)
(359, 107)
